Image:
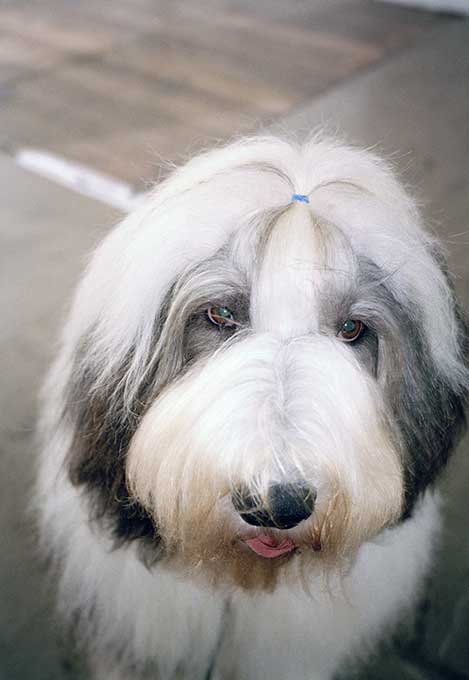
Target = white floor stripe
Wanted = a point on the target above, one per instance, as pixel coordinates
(80, 178)
(461, 6)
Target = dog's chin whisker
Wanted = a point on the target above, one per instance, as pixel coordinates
(264, 371)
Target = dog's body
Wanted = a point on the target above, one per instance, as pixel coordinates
(132, 616)
(263, 373)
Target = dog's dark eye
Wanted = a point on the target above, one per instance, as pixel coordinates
(222, 317)
(351, 330)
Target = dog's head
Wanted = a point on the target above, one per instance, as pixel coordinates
(267, 364)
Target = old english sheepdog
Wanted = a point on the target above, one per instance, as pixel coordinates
(262, 375)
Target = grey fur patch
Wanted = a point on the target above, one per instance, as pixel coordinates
(104, 423)
(428, 411)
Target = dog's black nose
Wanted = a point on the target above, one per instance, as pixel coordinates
(287, 505)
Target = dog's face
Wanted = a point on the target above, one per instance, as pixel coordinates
(270, 379)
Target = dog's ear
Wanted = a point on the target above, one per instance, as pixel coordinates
(430, 404)
(103, 427)
(103, 412)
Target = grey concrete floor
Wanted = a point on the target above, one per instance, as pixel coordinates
(416, 106)
(45, 233)
(115, 85)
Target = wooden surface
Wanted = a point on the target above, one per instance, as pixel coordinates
(123, 85)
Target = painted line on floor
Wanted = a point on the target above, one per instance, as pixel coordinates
(460, 6)
(80, 178)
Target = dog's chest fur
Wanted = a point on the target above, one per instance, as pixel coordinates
(193, 631)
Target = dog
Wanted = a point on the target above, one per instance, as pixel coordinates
(263, 373)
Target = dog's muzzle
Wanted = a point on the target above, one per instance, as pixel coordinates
(286, 505)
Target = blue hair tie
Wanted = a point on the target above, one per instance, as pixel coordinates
(301, 198)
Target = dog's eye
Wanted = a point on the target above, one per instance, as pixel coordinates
(351, 330)
(222, 317)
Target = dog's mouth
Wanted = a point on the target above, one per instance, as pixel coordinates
(269, 546)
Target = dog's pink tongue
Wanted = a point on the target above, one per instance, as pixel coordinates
(267, 546)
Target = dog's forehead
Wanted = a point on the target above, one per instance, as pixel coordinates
(296, 266)
(233, 192)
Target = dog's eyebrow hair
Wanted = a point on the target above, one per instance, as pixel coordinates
(271, 169)
(378, 276)
(343, 182)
